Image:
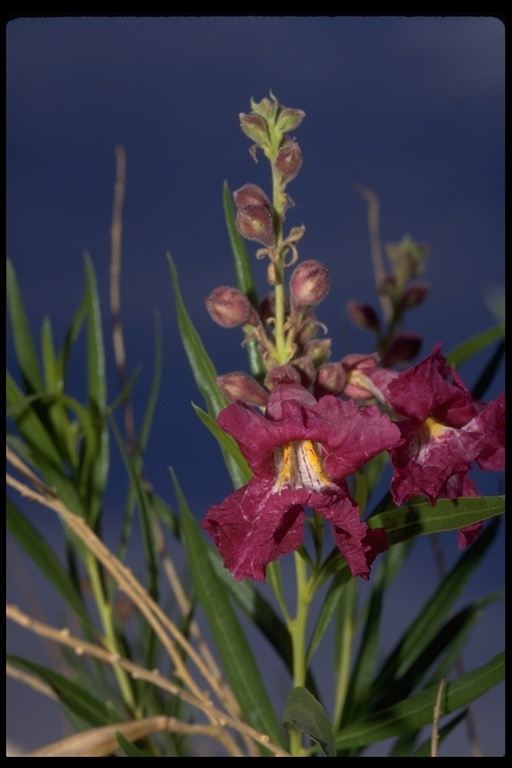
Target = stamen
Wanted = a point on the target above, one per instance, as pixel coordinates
(433, 429)
(299, 465)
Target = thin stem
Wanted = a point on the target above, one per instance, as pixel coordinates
(297, 628)
(345, 653)
(375, 246)
(110, 638)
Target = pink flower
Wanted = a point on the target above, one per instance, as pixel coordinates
(444, 431)
(301, 452)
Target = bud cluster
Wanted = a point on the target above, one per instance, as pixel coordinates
(282, 330)
(398, 295)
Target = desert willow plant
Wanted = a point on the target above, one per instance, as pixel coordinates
(308, 443)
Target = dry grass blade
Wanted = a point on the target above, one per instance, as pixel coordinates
(102, 742)
(203, 704)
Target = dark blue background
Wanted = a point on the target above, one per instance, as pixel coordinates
(411, 107)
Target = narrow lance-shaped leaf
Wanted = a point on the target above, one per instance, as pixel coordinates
(23, 343)
(486, 377)
(97, 468)
(238, 467)
(80, 701)
(471, 347)
(202, 367)
(244, 279)
(45, 559)
(431, 616)
(241, 670)
(413, 519)
(416, 710)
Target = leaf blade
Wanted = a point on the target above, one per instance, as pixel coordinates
(235, 652)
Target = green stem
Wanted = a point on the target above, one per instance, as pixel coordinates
(345, 653)
(110, 637)
(297, 628)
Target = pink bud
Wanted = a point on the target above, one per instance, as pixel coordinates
(251, 194)
(230, 307)
(309, 284)
(255, 223)
(304, 365)
(414, 295)
(290, 119)
(254, 127)
(318, 350)
(363, 316)
(240, 386)
(280, 374)
(330, 380)
(404, 347)
(289, 161)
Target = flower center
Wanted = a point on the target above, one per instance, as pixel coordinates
(299, 465)
(433, 429)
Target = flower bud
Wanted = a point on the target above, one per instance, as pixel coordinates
(363, 316)
(330, 380)
(254, 127)
(304, 365)
(266, 108)
(255, 222)
(290, 119)
(355, 367)
(288, 162)
(251, 194)
(408, 259)
(230, 307)
(240, 386)
(404, 347)
(318, 350)
(309, 284)
(414, 295)
(280, 374)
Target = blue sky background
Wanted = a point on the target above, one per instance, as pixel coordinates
(411, 107)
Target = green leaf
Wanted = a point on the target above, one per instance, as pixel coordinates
(416, 711)
(260, 613)
(241, 670)
(363, 670)
(202, 367)
(23, 343)
(97, 470)
(90, 710)
(431, 616)
(245, 282)
(306, 714)
(237, 466)
(461, 628)
(44, 558)
(144, 504)
(129, 749)
(471, 347)
(486, 377)
(330, 604)
(39, 449)
(155, 388)
(447, 642)
(417, 519)
(244, 279)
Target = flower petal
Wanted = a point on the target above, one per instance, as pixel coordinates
(358, 544)
(253, 527)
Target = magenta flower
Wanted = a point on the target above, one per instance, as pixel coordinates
(301, 452)
(444, 431)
